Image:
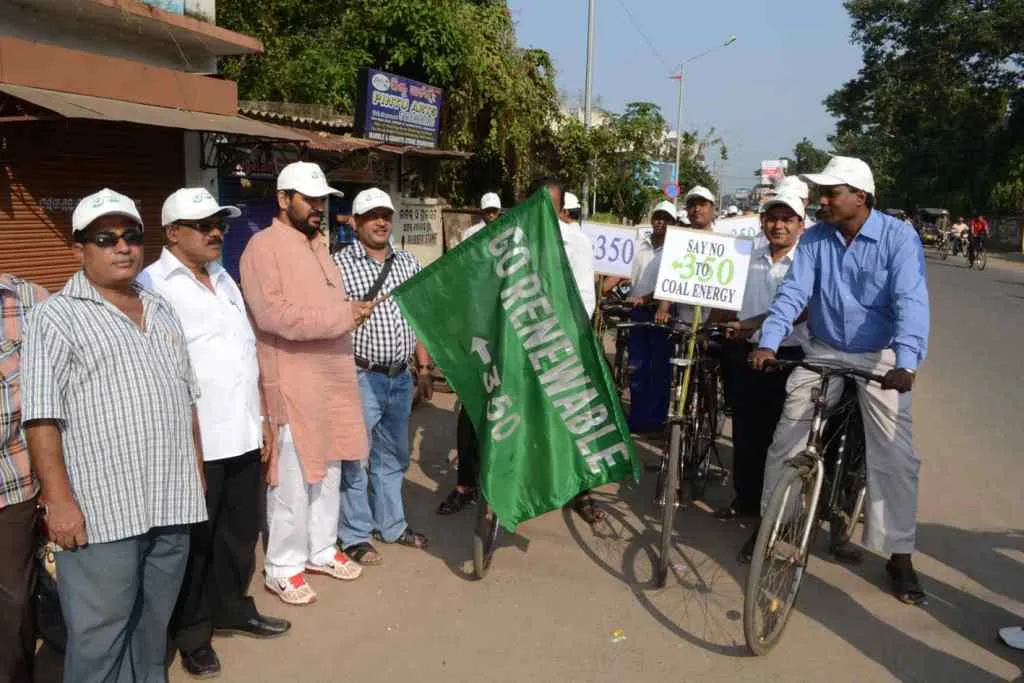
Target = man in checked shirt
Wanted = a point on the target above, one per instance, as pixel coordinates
(372, 496)
(18, 488)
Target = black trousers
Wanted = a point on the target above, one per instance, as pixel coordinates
(469, 452)
(222, 553)
(17, 574)
(757, 409)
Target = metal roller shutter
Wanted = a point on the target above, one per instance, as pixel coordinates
(47, 166)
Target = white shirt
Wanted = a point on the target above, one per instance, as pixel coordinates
(645, 268)
(472, 230)
(581, 260)
(764, 277)
(222, 348)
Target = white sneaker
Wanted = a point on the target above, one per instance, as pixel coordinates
(1013, 636)
(340, 567)
(293, 591)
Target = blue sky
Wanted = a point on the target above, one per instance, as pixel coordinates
(762, 94)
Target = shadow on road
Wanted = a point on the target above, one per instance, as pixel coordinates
(703, 600)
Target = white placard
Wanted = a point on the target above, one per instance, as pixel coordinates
(703, 268)
(739, 226)
(614, 248)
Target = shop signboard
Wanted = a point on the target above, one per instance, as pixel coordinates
(397, 110)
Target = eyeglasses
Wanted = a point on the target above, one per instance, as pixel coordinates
(104, 240)
(207, 226)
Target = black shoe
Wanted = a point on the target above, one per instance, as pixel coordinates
(201, 662)
(258, 627)
(746, 554)
(456, 501)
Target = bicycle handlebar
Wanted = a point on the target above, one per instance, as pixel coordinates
(823, 370)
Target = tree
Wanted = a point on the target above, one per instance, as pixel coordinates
(807, 158)
(932, 108)
(500, 99)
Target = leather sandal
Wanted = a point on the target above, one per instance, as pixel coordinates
(905, 584)
(364, 554)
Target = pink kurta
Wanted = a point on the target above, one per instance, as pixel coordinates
(303, 326)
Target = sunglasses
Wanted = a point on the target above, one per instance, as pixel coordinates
(207, 226)
(132, 237)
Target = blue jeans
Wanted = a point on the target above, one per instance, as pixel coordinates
(117, 599)
(373, 500)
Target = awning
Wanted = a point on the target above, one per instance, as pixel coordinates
(414, 151)
(72, 106)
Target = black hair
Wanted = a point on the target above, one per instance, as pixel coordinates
(574, 214)
(545, 181)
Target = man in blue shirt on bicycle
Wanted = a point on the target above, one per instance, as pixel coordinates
(861, 276)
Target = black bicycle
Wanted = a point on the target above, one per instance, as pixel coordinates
(977, 256)
(832, 464)
(693, 419)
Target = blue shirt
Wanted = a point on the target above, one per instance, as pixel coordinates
(868, 296)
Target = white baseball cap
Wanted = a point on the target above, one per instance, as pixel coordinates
(699, 191)
(844, 171)
(570, 201)
(732, 210)
(106, 202)
(307, 179)
(793, 185)
(790, 199)
(368, 200)
(491, 200)
(666, 207)
(193, 204)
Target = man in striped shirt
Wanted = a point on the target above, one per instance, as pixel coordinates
(384, 344)
(18, 488)
(113, 436)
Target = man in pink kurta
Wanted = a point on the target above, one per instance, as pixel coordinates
(303, 323)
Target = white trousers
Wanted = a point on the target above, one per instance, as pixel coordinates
(302, 519)
(892, 464)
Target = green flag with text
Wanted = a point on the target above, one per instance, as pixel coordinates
(502, 317)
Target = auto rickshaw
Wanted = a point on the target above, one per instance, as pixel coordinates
(933, 222)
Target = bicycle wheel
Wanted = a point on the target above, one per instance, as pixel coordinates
(944, 251)
(670, 493)
(852, 486)
(485, 538)
(982, 260)
(778, 565)
(701, 448)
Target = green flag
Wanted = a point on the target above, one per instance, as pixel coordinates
(503, 319)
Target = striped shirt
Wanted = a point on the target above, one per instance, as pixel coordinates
(386, 338)
(124, 399)
(17, 297)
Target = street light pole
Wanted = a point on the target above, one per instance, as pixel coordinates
(679, 107)
(586, 104)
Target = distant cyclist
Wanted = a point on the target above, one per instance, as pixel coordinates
(979, 234)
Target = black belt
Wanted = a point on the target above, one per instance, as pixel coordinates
(390, 370)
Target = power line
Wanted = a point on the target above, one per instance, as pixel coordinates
(650, 44)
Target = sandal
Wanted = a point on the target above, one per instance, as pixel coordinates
(457, 500)
(586, 508)
(905, 584)
(364, 554)
(408, 538)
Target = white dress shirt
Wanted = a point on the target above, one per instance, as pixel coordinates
(222, 348)
(645, 268)
(764, 277)
(580, 251)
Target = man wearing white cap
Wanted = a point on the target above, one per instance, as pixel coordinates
(109, 395)
(759, 395)
(372, 500)
(490, 208)
(579, 249)
(700, 208)
(222, 347)
(303, 323)
(861, 274)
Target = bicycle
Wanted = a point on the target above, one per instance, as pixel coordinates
(693, 427)
(617, 315)
(944, 245)
(790, 520)
(977, 256)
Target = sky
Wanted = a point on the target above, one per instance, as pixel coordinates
(762, 94)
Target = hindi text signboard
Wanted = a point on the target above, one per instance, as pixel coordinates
(703, 268)
(398, 110)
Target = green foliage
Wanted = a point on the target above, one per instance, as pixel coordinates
(807, 158)
(936, 108)
(499, 99)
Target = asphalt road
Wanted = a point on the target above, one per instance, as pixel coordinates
(559, 589)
